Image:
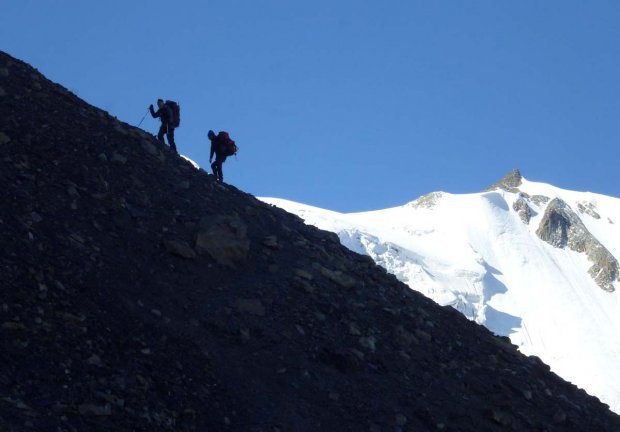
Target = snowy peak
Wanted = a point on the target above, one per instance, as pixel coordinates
(509, 182)
(562, 227)
(528, 260)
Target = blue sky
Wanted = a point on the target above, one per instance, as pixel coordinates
(352, 105)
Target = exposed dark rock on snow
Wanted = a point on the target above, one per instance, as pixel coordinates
(523, 209)
(588, 208)
(118, 314)
(510, 182)
(426, 201)
(540, 200)
(561, 227)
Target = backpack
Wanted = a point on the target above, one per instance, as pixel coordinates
(227, 146)
(176, 113)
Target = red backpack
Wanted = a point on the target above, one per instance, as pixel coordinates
(227, 146)
(176, 112)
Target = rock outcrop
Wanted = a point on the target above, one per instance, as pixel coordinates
(427, 201)
(588, 208)
(510, 182)
(138, 294)
(523, 209)
(561, 227)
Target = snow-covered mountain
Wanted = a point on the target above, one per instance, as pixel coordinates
(528, 260)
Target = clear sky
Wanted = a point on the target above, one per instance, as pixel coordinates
(350, 104)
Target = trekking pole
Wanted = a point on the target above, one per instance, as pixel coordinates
(147, 111)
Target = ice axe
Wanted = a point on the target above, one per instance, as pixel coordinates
(147, 111)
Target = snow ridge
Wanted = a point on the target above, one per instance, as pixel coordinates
(481, 254)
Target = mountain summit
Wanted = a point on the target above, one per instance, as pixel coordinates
(530, 261)
(138, 294)
(510, 181)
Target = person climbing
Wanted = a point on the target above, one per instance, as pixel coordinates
(222, 147)
(165, 112)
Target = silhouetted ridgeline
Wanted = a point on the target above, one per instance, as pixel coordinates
(140, 295)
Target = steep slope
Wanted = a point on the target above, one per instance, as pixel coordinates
(140, 295)
(527, 260)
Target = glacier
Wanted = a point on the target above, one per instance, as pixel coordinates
(481, 254)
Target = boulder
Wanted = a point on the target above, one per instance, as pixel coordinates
(224, 238)
(179, 248)
(4, 138)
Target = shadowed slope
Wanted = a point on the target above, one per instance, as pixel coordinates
(120, 312)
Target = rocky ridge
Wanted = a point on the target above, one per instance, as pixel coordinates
(141, 295)
(562, 227)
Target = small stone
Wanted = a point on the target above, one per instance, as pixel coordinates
(94, 360)
(340, 278)
(334, 396)
(271, 242)
(179, 248)
(91, 409)
(354, 330)
(307, 286)
(4, 138)
(251, 211)
(559, 416)
(112, 399)
(420, 334)
(12, 325)
(102, 157)
(368, 342)
(251, 306)
(119, 158)
(4, 72)
(501, 417)
(149, 148)
(2, 92)
(156, 312)
(401, 419)
(404, 337)
(357, 353)
(76, 237)
(303, 274)
(35, 217)
(120, 129)
(72, 191)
